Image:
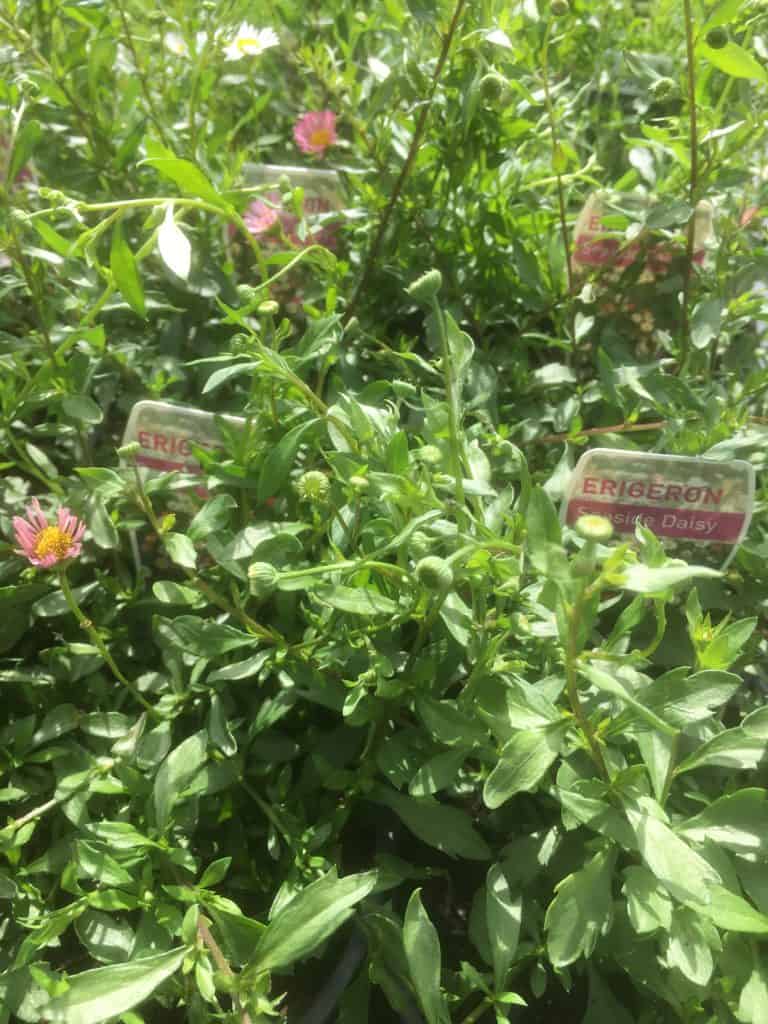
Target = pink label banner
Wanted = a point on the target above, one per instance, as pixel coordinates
(688, 523)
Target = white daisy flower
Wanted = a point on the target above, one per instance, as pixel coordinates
(177, 44)
(250, 42)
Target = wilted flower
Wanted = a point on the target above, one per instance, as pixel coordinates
(250, 42)
(259, 217)
(316, 131)
(44, 544)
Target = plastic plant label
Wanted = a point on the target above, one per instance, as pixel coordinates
(166, 434)
(601, 240)
(688, 499)
(322, 196)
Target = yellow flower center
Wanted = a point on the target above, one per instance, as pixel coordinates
(246, 41)
(53, 540)
(320, 137)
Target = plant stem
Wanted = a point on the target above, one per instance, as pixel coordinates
(555, 160)
(571, 676)
(221, 962)
(454, 415)
(693, 186)
(478, 1011)
(99, 644)
(141, 74)
(418, 134)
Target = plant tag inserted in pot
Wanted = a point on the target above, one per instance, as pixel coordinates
(681, 499)
(166, 434)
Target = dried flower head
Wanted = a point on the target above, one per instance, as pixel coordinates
(316, 131)
(43, 543)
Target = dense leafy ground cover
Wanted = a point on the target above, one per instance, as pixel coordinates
(357, 731)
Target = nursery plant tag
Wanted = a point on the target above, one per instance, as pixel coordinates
(600, 239)
(166, 434)
(677, 497)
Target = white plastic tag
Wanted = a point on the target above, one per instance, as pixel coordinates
(167, 432)
(677, 497)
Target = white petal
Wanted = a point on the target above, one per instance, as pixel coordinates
(379, 69)
(173, 245)
(500, 38)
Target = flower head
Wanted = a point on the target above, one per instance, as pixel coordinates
(250, 42)
(45, 544)
(316, 131)
(259, 217)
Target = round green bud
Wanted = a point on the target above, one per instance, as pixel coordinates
(430, 454)
(284, 183)
(434, 573)
(493, 86)
(592, 527)
(419, 545)
(360, 483)
(247, 293)
(262, 578)
(268, 308)
(717, 38)
(125, 451)
(664, 88)
(560, 7)
(426, 287)
(313, 486)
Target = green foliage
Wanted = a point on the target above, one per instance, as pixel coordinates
(354, 694)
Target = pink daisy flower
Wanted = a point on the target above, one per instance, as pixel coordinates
(316, 131)
(259, 217)
(44, 544)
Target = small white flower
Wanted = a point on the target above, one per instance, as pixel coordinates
(250, 42)
(177, 44)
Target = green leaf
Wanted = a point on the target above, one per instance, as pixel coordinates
(280, 458)
(726, 11)
(448, 724)
(95, 861)
(645, 580)
(104, 993)
(581, 911)
(202, 637)
(503, 915)
(82, 409)
(176, 593)
(355, 600)
(753, 1001)
(734, 748)
(422, 951)
(611, 684)
(734, 60)
(681, 870)
(648, 904)
(125, 273)
(446, 828)
(682, 702)
(687, 947)
(185, 174)
(522, 762)
(181, 550)
(221, 376)
(101, 526)
(723, 650)
(175, 774)
(603, 1007)
(108, 939)
(311, 916)
(437, 773)
(213, 517)
(731, 912)
(737, 822)
(543, 528)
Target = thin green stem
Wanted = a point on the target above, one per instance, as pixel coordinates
(693, 187)
(99, 644)
(454, 415)
(479, 1010)
(571, 677)
(141, 74)
(556, 159)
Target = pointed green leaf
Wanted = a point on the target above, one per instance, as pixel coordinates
(422, 951)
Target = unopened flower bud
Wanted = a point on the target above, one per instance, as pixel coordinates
(268, 308)
(247, 293)
(434, 573)
(419, 544)
(593, 527)
(313, 486)
(360, 483)
(560, 7)
(262, 579)
(663, 88)
(430, 454)
(125, 451)
(426, 287)
(168, 522)
(493, 85)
